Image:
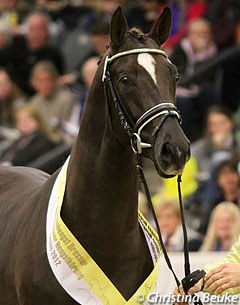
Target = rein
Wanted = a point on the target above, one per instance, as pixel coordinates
(134, 129)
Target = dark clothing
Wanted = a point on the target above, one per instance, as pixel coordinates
(230, 94)
(26, 149)
(7, 114)
(226, 66)
(194, 99)
(138, 17)
(223, 16)
(19, 59)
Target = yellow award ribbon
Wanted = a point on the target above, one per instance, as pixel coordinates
(76, 270)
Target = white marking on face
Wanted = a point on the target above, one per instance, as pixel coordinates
(149, 64)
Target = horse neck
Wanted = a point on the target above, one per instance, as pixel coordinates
(102, 188)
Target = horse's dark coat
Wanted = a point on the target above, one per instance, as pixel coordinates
(100, 203)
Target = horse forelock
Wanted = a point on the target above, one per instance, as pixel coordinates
(137, 34)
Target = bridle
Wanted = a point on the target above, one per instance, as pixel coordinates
(134, 130)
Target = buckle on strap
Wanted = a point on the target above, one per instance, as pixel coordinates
(137, 144)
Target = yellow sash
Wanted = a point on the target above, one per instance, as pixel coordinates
(75, 269)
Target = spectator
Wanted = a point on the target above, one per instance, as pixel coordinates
(99, 39)
(226, 68)
(54, 104)
(168, 215)
(223, 229)
(11, 98)
(35, 138)
(217, 143)
(13, 12)
(5, 34)
(145, 13)
(183, 12)
(194, 100)
(223, 186)
(20, 57)
(88, 71)
(224, 16)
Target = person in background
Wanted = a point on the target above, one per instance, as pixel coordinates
(99, 40)
(11, 97)
(55, 104)
(223, 228)
(13, 12)
(224, 17)
(27, 50)
(218, 143)
(224, 185)
(194, 100)
(144, 13)
(183, 12)
(223, 276)
(169, 219)
(36, 138)
(5, 34)
(87, 74)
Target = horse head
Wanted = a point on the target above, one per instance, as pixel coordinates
(141, 83)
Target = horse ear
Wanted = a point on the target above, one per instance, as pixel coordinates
(161, 29)
(118, 27)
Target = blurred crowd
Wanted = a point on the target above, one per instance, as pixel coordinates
(49, 52)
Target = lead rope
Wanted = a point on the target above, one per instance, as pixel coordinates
(185, 238)
(141, 175)
(149, 200)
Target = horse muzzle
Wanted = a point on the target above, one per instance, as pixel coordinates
(171, 151)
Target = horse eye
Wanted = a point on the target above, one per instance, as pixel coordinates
(124, 80)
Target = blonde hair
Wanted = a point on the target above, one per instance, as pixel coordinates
(46, 66)
(172, 203)
(44, 127)
(210, 240)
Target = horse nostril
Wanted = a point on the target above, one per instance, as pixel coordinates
(175, 154)
(166, 151)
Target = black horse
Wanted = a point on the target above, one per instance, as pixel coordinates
(100, 202)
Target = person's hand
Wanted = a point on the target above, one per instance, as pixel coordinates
(223, 277)
(178, 291)
(67, 79)
(196, 288)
